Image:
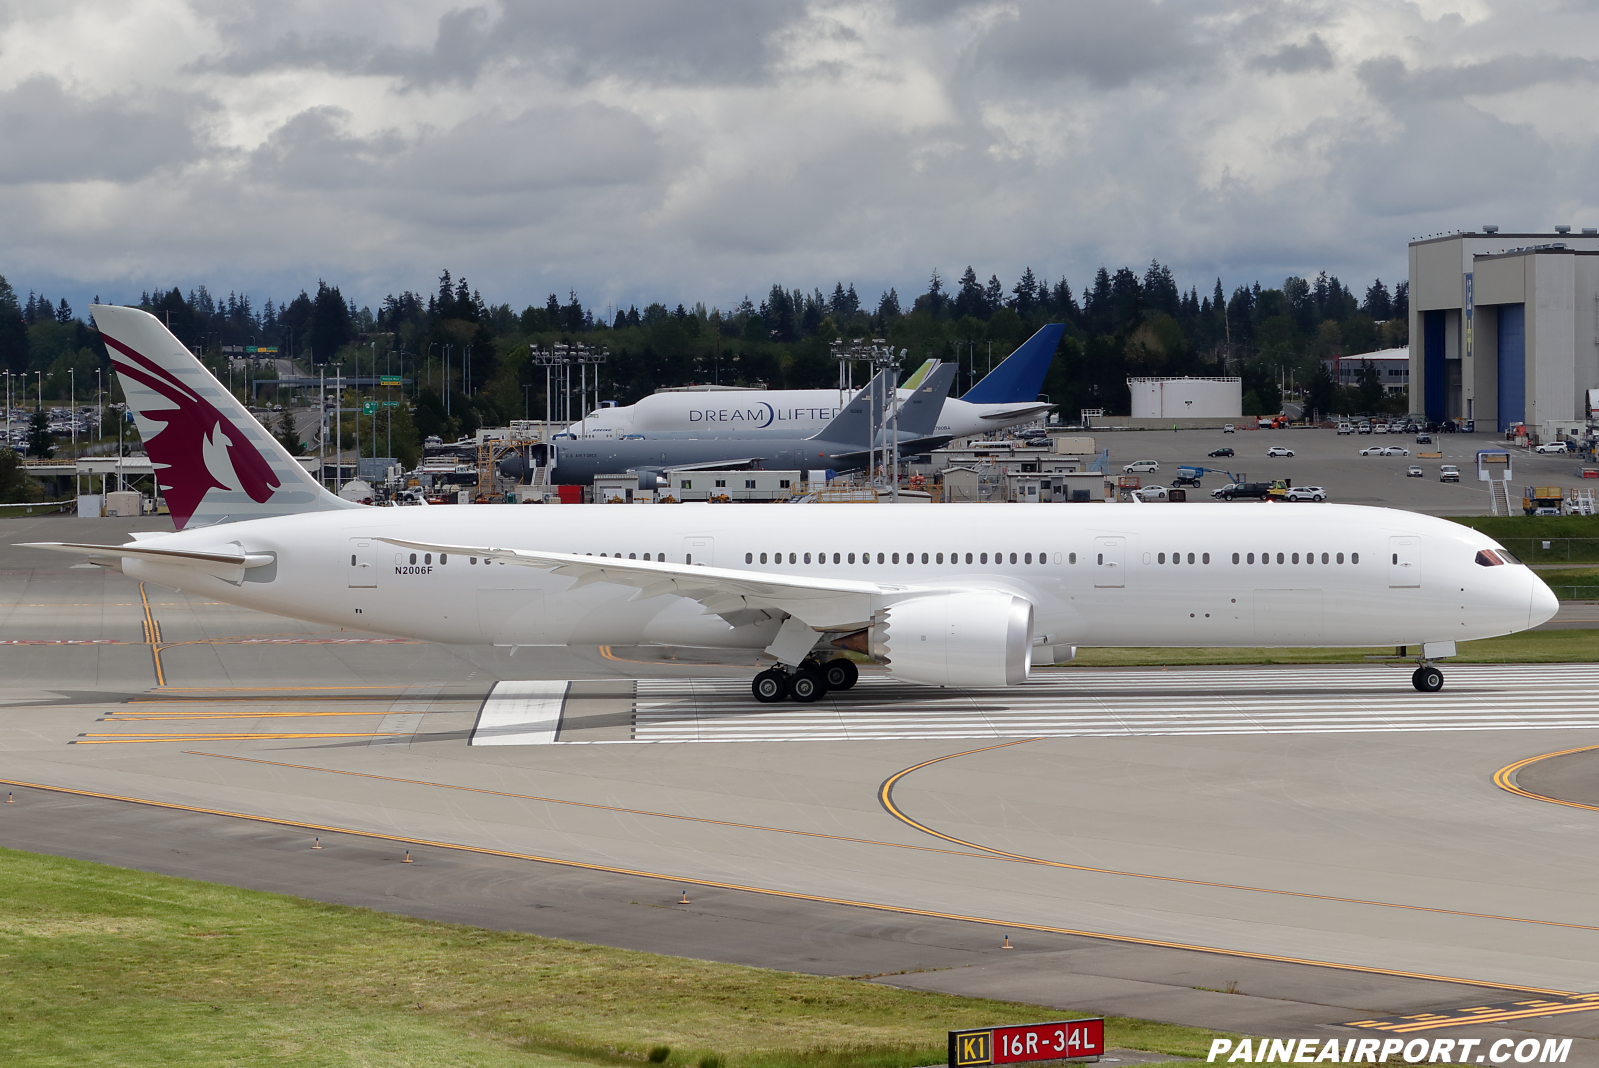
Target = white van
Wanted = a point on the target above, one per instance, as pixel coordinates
(1346, 428)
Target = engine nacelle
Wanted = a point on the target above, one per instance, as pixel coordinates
(960, 638)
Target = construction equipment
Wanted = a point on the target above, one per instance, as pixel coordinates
(1190, 474)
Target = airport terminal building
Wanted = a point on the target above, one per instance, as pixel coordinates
(1504, 329)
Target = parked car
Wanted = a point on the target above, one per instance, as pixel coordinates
(1141, 467)
(1279, 450)
(1346, 428)
(1305, 493)
(1153, 492)
(1396, 450)
(1364, 428)
(1228, 429)
(1448, 473)
(1423, 439)
(1374, 450)
(1379, 428)
(1414, 471)
(1551, 446)
(1225, 450)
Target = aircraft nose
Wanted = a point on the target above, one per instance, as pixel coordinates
(1544, 602)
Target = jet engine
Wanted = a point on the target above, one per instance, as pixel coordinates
(977, 638)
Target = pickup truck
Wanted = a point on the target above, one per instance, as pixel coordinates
(1258, 491)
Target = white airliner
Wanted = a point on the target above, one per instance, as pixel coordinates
(955, 595)
(1007, 396)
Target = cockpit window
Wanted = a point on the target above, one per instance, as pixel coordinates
(1506, 557)
(1489, 558)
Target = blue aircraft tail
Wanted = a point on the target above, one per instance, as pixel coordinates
(1020, 375)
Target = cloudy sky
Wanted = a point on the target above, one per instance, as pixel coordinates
(697, 150)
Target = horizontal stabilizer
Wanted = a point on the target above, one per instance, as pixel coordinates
(228, 565)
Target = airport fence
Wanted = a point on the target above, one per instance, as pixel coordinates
(1554, 550)
(1576, 593)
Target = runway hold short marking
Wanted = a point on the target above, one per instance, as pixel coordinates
(1100, 702)
(526, 712)
(1503, 1012)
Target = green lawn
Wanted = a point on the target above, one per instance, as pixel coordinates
(1572, 583)
(1528, 647)
(104, 965)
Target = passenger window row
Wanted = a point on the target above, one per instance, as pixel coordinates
(910, 558)
(1293, 558)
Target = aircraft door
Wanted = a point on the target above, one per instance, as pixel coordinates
(363, 563)
(1404, 561)
(700, 551)
(1108, 553)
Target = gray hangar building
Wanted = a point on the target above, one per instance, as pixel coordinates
(1504, 329)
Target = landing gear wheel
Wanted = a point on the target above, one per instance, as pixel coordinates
(1427, 679)
(770, 686)
(840, 674)
(806, 685)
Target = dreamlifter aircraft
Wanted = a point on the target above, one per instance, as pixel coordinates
(1007, 396)
(953, 595)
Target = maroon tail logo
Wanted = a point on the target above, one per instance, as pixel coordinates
(194, 427)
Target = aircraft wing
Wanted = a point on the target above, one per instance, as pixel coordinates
(907, 447)
(819, 603)
(713, 465)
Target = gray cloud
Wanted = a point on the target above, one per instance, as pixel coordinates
(1391, 80)
(52, 136)
(694, 150)
(1107, 42)
(1297, 58)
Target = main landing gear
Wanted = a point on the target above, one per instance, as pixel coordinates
(806, 683)
(1427, 679)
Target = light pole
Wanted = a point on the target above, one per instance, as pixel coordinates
(72, 407)
(338, 428)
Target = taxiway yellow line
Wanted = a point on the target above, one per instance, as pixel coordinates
(152, 635)
(590, 804)
(1505, 778)
(791, 895)
(189, 717)
(128, 739)
(885, 797)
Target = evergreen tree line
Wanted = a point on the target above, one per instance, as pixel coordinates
(469, 358)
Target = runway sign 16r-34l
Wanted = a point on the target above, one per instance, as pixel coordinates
(1058, 1041)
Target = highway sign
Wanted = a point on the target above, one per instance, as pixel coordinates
(1058, 1041)
(390, 380)
(369, 407)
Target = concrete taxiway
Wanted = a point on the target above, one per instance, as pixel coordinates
(1281, 851)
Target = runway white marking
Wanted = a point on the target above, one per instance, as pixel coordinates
(1089, 702)
(523, 712)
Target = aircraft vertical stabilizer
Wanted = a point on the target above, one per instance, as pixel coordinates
(214, 462)
(1019, 376)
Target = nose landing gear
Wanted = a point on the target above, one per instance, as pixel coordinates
(809, 682)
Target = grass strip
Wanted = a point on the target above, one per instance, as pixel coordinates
(111, 966)
(1528, 647)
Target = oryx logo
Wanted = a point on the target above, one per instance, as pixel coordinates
(199, 448)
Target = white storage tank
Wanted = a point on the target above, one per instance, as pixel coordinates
(1187, 398)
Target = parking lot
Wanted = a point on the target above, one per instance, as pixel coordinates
(1325, 458)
